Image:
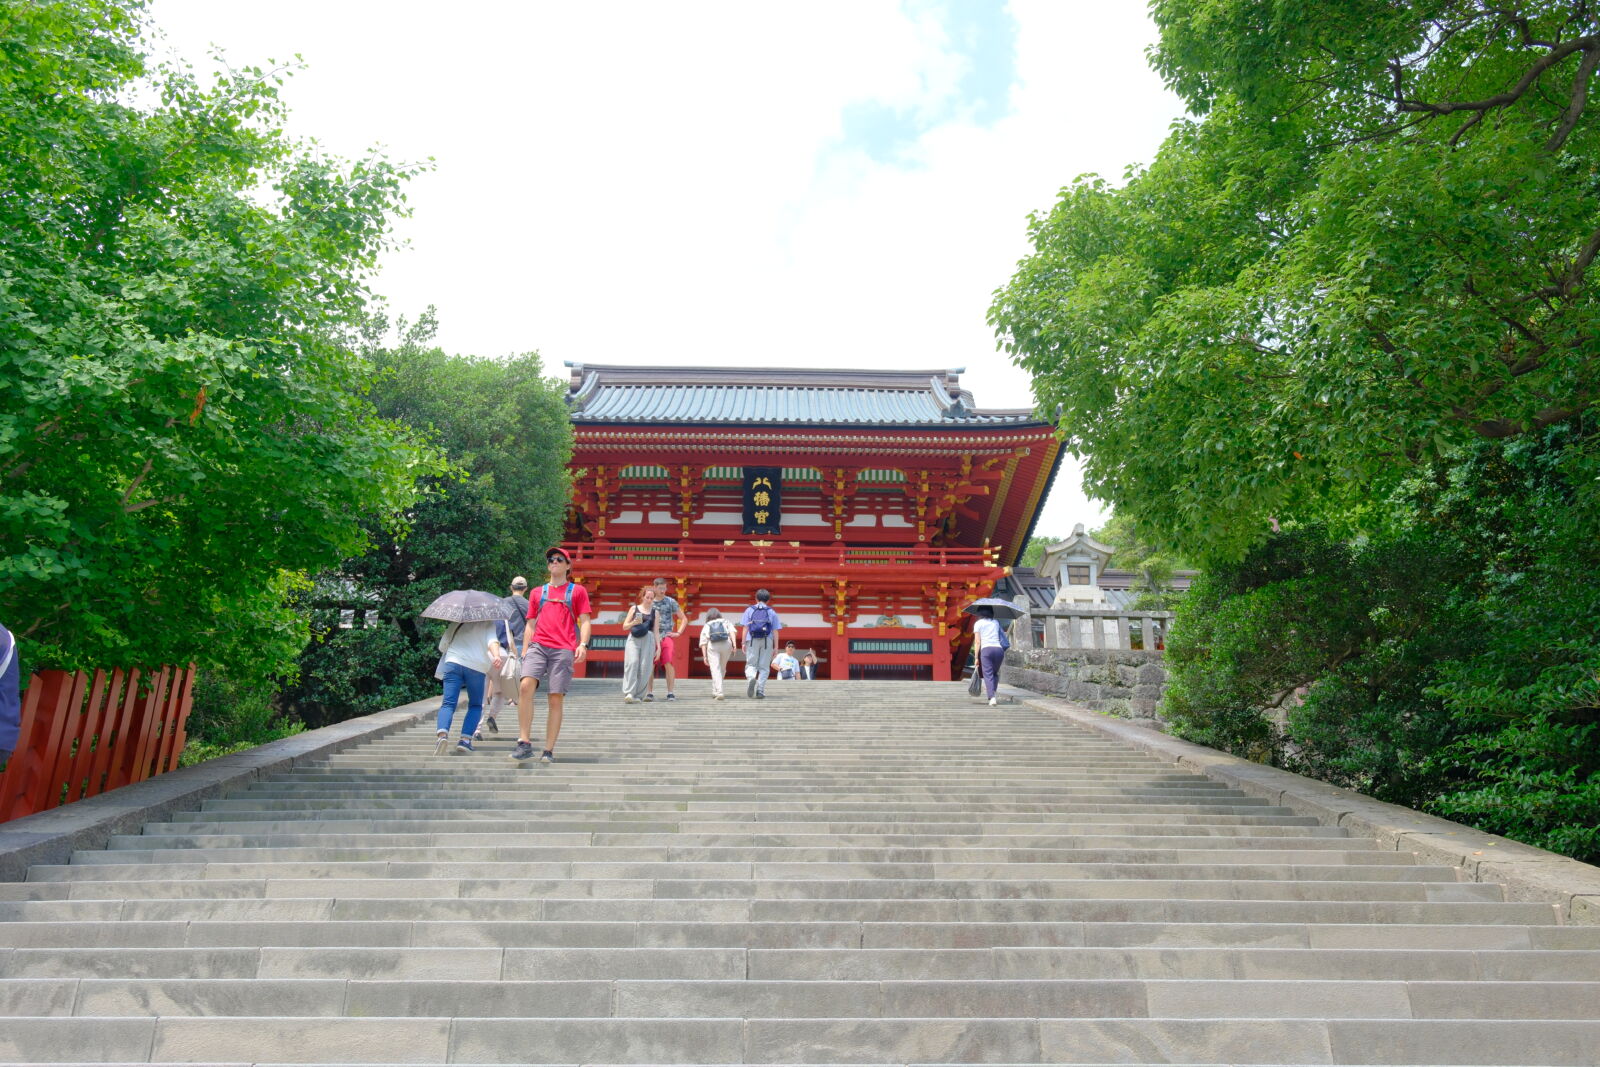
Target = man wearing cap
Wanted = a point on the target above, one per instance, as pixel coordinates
(498, 690)
(555, 638)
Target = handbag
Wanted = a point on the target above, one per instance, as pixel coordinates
(508, 668)
(642, 627)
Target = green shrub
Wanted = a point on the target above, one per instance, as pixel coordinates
(228, 717)
(1449, 661)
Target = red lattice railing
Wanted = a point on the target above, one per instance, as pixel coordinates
(84, 735)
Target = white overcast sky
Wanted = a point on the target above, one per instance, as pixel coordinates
(825, 184)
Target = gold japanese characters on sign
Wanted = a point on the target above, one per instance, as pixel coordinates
(763, 500)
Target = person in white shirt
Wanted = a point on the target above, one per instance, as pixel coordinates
(784, 664)
(992, 643)
(717, 641)
(464, 663)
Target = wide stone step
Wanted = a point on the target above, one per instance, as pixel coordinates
(715, 881)
(878, 909)
(1121, 862)
(500, 933)
(719, 879)
(756, 998)
(975, 965)
(1247, 1040)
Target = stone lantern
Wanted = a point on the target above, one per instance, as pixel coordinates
(1075, 565)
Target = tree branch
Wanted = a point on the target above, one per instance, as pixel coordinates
(1580, 95)
(137, 480)
(151, 503)
(1499, 429)
(1512, 95)
(1568, 285)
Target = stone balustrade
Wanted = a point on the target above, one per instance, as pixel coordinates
(1100, 628)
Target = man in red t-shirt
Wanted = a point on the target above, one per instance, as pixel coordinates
(556, 637)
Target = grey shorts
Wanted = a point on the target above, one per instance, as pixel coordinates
(551, 665)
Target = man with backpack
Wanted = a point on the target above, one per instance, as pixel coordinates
(556, 638)
(761, 625)
(500, 688)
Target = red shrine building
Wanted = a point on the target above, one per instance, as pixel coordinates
(874, 505)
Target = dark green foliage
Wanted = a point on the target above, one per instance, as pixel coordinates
(229, 717)
(1528, 762)
(1450, 663)
(505, 428)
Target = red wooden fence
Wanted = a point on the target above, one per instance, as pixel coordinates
(82, 736)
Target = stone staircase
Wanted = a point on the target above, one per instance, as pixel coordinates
(843, 873)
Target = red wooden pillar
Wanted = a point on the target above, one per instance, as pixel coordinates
(839, 656)
(941, 656)
(681, 649)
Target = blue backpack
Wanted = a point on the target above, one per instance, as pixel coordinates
(544, 591)
(760, 621)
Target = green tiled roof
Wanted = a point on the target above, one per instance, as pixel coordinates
(604, 394)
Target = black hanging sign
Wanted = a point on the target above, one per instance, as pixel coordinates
(763, 500)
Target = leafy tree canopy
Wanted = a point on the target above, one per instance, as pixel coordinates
(506, 431)
(1371, 247)
(182, 423)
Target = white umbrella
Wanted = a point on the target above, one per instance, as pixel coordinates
(1004, 610)
(469, 605)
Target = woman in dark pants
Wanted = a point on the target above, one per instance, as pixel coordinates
(990, 638)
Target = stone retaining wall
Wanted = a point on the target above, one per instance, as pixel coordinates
(1123, 682)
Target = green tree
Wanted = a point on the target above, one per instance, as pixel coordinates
(1369, 248)
(506, 431)
(1033, 551)
(183, 430)
(1153, 567)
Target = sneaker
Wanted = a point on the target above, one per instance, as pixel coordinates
(994, 702)
(524, 750)
(627, 698)
(716, 696)
(750, 690)
(464, 745)
(493, 726)
(648, 697)
(477, 735)
(672, 696)
(443, 744)
(760, 695)
(547, 756)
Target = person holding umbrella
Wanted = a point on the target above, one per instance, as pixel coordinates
(990, 640)
(464, 657)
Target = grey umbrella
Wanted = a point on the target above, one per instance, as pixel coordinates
(1004, 610)
(468, 605)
